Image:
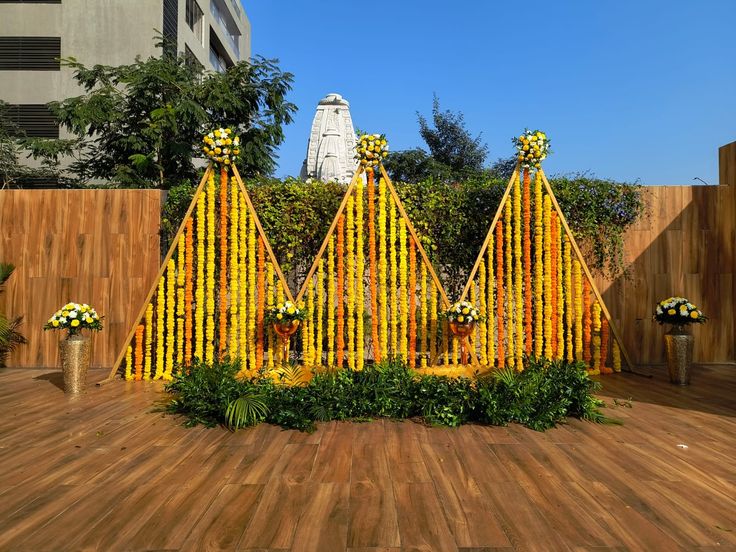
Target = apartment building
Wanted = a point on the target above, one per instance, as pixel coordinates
(34, 34)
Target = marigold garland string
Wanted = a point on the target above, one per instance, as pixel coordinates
(209, 345)
(538, 267)
(527, 263)
(201, 263)
(309, 328)
(261, 307)
(350, 280)
(432, 320)
(340, 334)
(403, 291)
(373, 274)
(424, 328)
(170, 319)
(482, 326)
(560, 293)
(270, 303)
(234, 266)
(616, 356)
(394, 284)
(500, 296)
(578, 328)
(382, 270)
(253, 357)
(547, 288)
(569, 301)
(518, 278)
(359, 274)
(553, 283)
(509, 326)
(320, 306)
(491, 328)
(412, 303)
(160, 323)
(180, 274)
(188, 291)
(223, 265)
(604, 346)
(139, 351)
(244, 343)
(129, 363)
(331, 301)
(473, 339)
(149, 342)
(586, 322)
(596, 315)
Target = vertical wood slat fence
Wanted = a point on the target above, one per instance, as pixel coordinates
(91, 246)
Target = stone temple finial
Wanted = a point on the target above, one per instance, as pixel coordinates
(331, 147)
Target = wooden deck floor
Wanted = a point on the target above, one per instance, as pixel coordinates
(104, 472)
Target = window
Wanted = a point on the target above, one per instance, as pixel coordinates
(195, 19)
(30, 53)
(191, 60)
(34, 119)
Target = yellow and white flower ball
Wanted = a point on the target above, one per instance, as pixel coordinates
(532, 148)
(221, 146)
(371, 149)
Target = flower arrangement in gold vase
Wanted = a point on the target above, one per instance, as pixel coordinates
(221, 146)
(461, 318)
(678, 311)
(75, 317)
(532, 148)
(371, 149)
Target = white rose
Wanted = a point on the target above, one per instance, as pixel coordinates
(73, 314)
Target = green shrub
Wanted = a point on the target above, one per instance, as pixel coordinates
(544, 394)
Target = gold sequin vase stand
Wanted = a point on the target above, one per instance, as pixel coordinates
(75, 358)
(679, 348)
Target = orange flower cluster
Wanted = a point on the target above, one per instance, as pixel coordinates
(527, 247)
(188, 290)
(499, 295)
(223, 262)
(139, 352)
(412, 302)
(372, 265)
(587, 321)
(261, 308)
(340, 290)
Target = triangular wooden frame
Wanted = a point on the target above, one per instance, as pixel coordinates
(173, 247)
(516, 174)
(412, 232)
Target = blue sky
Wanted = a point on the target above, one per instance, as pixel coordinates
(630, 90)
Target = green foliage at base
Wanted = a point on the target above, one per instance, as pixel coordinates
(540, 397)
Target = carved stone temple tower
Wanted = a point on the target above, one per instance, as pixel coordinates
(331, 148)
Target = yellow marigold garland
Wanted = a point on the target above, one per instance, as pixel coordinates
(270, 303)
(518, 277)
(160, 324)
(234, 267)
(509, 285)
(403, 291)
(129, 363)
(209, 345)
(578, 327)
(373, 272)
(490, 311)
(253, 362)
(180, 277)
(139, 351)
(604, 346)
(199, 281)
(394, 284)
(243, 342)
(331, 302)
(527, 247)
(501, 352)
(309, 354)
(482, 326)
(473, 339)
(222, 317)
(424, 329)
(340, 316)
(553, 282)
(586, 323)
(359, 273)
(382, 269)
(547, 289)
(596, 338)
(432, 320)
(538, 267)
(188, 291)
(170, 317)
(412, 303)
(616, 353)
(350, 279)
(149, 342)
(320, 306)
(261, 303)
(560, 295)
(569, 301)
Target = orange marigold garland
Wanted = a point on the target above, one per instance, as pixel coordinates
(616, 356)
(499, 296)
(412, 303)
(482, 308)
(261, 308)
(181, 261)
(244, 343)
(491, 317)
(509, 271)
(518, 278)
(527, 263)
(596, 315)
(188, 291)
(373, 272)
(359, 275)
(586, 322)
(340, 346)
(569, 301)
(199, 293)
(160, 327)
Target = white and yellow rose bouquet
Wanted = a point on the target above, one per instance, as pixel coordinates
(532, 148)
(75, 317)
(463, 312)
(678, 311)
(221, 146)
(284, 312)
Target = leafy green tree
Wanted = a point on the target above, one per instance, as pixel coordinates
(141, 124)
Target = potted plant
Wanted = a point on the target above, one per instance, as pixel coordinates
(462, 317)
(10, 337)
(75, 348)
(680, 313)
(285, 318)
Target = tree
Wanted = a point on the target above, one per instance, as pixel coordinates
(141, 123)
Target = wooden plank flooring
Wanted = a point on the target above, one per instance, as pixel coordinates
(106, 471)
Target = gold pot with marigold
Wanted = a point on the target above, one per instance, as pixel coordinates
(680, 313)
(285, 319)
(461, 318)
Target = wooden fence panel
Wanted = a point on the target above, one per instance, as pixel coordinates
(90, 246)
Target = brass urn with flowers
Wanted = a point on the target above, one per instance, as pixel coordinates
(461, 318)
(75, 348)
(680, 313)
(285, 318)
